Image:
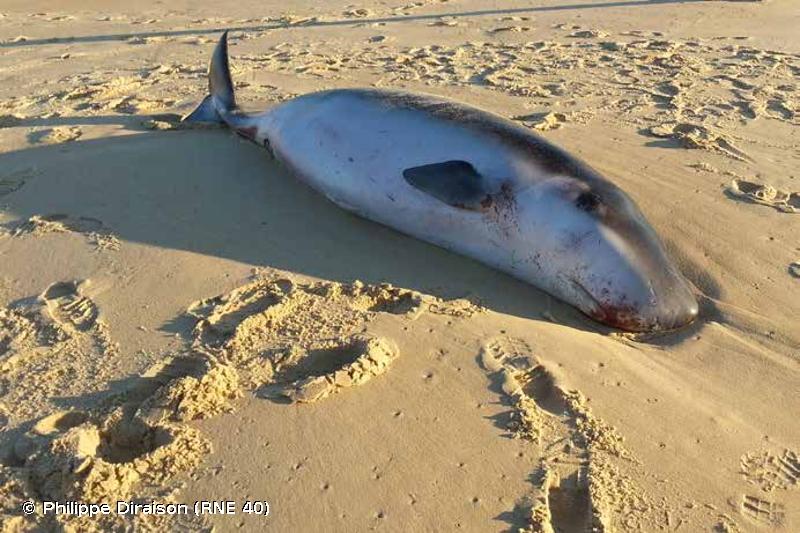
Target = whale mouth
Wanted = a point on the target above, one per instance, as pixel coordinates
(626, 318)
(617, 316)
(629, 317)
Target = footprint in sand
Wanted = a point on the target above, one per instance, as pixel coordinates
(131, 105)
(94, 229)
(562, 504)
(511, 29)
(669, 89)
(305, 376)
(14, 181)
(780, 109)
(388, 299)
(41, 224)
(575, 477)
(69, 307)
(126, 447)
(107, 458)
(543, 121)
(358, 13)
(588, 34)
(501, 352)
(447, 22)
(26, 333)
(770, 470)
(762, 511)
(10, 121)
(60, 18)
(61, 134)
(303, 341)
(696, 136)
(514, 18)
(52, 345)
(186, 388)
(114, 454)
(749, 105)
(764, 194)
(50, 426)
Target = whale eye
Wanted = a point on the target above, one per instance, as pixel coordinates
(588, 201)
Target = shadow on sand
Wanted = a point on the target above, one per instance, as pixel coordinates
(208, 192)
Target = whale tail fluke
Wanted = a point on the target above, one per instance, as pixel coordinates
(220, 100)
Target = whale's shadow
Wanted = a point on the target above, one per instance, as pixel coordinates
(211, 193)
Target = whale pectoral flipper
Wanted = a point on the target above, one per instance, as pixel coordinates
(455, 183)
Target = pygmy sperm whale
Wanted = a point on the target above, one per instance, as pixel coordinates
(475, 183)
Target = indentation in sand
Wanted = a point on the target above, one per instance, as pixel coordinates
(63, 323)
(359, 12)
(312, 375)
(700, 137)
(588, 34)
(109, 458)
(10, 121)
(274, 312)
(543, 121)
(765, 194)
(771, 470)
(513, 29)
(762, 511)
(55, 135)
(577, 485)
(133, 445)
(446, 22)
(69, 307)
(303, 341)
(208, 390)
(14, 181)
(59, 422)
(95, 231)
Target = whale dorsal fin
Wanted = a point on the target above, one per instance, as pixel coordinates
(455, 183)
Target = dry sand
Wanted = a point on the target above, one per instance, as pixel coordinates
(181, 320)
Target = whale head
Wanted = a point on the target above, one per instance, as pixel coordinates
(603, 255)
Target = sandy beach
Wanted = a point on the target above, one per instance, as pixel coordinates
(182, 320)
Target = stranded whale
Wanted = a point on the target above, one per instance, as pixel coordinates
(474, 183)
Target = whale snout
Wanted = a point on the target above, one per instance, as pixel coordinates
(669, 307)
(634, 283)
(678, 309)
